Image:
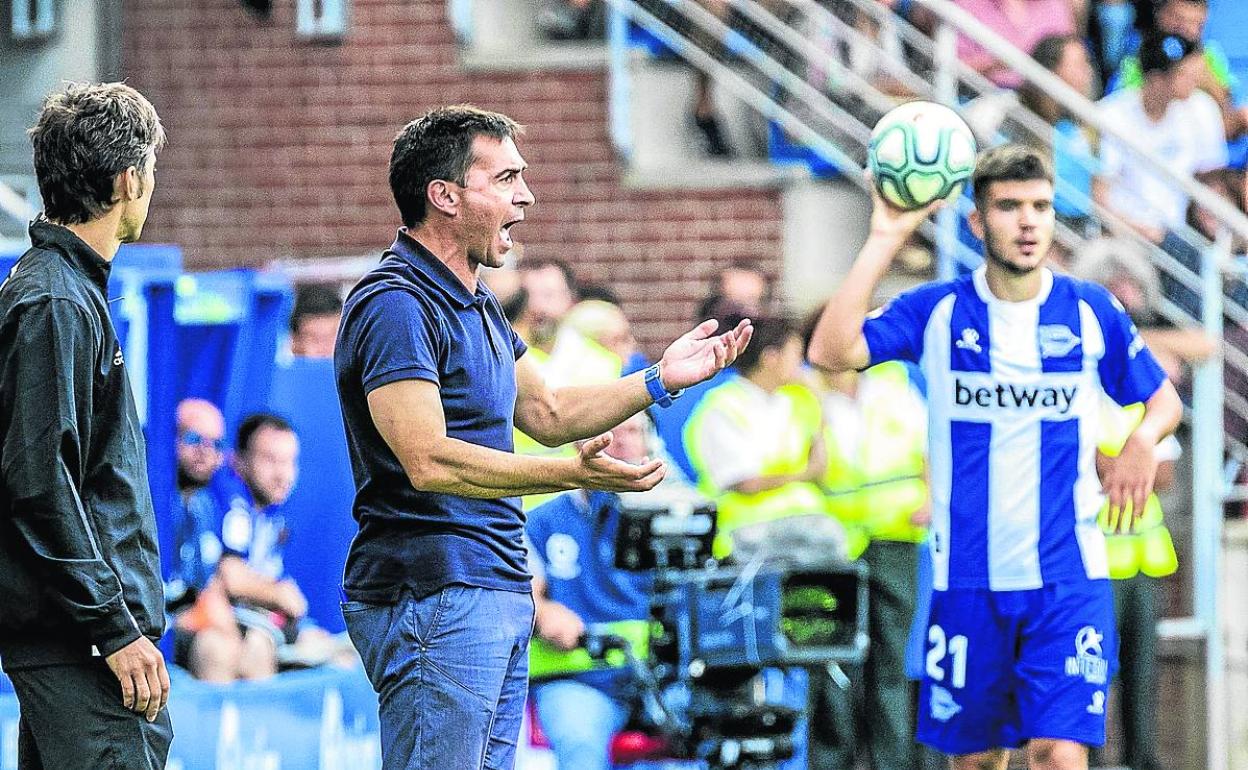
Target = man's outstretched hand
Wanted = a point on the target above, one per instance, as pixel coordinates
(698, 356)
(598, 470)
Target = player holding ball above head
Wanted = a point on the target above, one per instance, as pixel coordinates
(432, 379)
(1020, 641)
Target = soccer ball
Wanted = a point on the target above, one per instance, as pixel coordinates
(920, 152)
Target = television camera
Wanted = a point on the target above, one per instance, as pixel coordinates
(788, 600)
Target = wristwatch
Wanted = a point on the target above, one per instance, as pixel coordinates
(654, 386)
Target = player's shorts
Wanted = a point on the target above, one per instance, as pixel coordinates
(1002, 667)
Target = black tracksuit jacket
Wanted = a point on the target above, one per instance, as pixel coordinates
(79, 567)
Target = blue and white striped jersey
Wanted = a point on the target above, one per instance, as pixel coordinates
(1014, 390)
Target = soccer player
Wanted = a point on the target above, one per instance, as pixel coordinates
(81, 599)
(432, 379)
(1021, 642)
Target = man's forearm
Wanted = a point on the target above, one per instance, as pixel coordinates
(455, 467)
(1162, 413)
(581, 412)
(837, 342)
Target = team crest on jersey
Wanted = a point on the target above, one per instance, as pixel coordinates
(1056, 340)
(944, 707)
(563, 555)
(1089, 660)
(969, 341)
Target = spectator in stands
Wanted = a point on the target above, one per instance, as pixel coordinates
(253, 532)
(1022, 22)
(576, 585)
(1176, 124)
(1186, 19)
(1075, 160)
(593, 331)
(573, 19)
(81, 600)
(212, 654)
(1123, 267)
(744, 285)
(550, 292)
(314, 321)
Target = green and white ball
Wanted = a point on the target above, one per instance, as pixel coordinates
(920, 152)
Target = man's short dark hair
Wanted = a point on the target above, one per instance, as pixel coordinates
(770, 333)
(597, 291)
(254, 422)
(1008, 163)
(84, 137)
(1160, 53)
(438, 145)
(314, 299)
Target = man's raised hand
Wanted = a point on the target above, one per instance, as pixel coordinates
(697, 356)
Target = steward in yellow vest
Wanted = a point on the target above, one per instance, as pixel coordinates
(875, 432)
(755, 440)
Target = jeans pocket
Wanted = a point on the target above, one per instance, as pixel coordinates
(423, 616)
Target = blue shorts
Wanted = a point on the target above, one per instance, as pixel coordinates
(1002, 667)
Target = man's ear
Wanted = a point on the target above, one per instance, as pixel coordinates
(976, 221)
(128, 185)
(443, 196)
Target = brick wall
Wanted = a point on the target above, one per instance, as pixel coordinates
(278, 148)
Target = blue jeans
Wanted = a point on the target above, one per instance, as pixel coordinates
(580, 721)
(451, 675)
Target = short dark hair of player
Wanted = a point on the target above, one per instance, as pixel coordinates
(254, 422)
(596, 291)
(1009, 163)
(1160, 53)
(86, 135)
(770, 333)
(314, 299)
(438, 145)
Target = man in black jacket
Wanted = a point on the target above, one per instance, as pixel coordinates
(81, 599)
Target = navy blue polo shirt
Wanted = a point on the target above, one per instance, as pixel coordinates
(412, 318)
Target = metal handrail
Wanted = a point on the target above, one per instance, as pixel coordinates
(1080, 106)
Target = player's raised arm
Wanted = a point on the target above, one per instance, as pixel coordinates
(838, 343)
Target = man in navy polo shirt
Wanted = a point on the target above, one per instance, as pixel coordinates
(432, 381)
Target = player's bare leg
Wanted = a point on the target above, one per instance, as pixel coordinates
(1050, 754)
(996, 759)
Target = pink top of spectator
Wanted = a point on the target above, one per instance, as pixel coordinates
(1023, 22)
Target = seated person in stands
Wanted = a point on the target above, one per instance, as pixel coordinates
(196, 546)
(1187, 19)
(314, 321)
(250, 609)
(575, 583)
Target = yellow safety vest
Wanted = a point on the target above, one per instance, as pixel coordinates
(786, 450)
(531, 447)
(874, 489)
(1149, 549)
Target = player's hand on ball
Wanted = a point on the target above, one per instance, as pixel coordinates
(140, 669)
(892, 222)
(595, 469)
